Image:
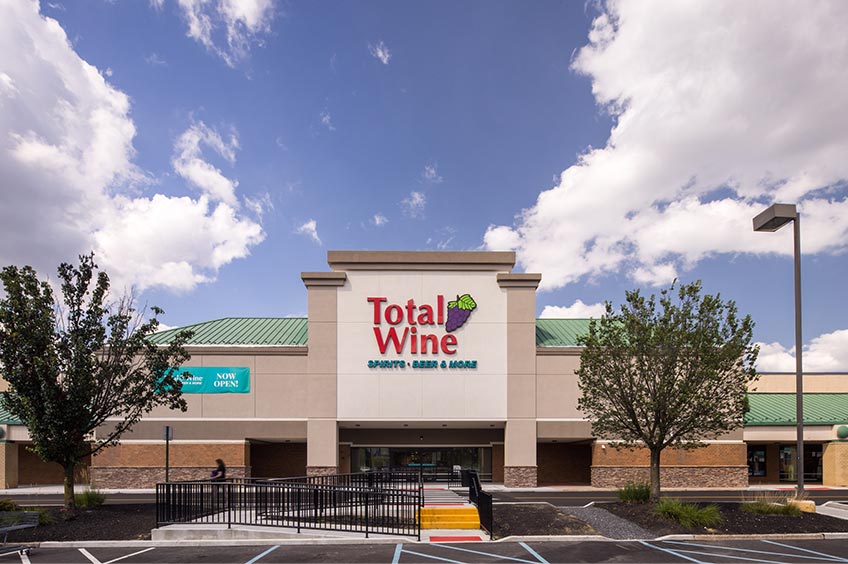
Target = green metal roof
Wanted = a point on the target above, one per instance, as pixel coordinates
(258, 331)
(291, 331)
(7, 418)
(560, 332)
(779, 409)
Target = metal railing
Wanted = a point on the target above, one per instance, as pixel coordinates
(347, 502)
(482, 500)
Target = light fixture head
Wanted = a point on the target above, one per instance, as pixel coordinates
(775, 217)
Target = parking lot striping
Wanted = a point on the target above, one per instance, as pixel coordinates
(832, 557)
(24, 558)
(94, 560)
(398, 550)
(718, 555)
(490, 554)
(672, 552)
(431, 557)
(732, 548)
(260, 556)
(534, 553)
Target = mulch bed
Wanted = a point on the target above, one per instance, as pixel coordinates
(736, 521)
(107, 522)
(535, 519)
(134, 522)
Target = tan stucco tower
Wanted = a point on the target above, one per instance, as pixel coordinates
(475, 383)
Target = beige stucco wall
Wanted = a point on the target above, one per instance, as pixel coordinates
(556, 384)
(421, 393)
(813, 383)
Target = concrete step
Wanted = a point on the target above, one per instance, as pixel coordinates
(449, 518)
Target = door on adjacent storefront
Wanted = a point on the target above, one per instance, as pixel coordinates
(812, 463)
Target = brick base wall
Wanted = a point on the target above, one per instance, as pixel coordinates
(672, 476)
(128, 477)
(321, 470)
(520, 476)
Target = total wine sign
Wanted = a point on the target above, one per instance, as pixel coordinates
(410, 330)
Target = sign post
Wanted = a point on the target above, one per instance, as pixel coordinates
(167, 434)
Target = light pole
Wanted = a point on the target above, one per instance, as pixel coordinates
(773, 219)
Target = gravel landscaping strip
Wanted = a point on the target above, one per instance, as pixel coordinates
(609, 525)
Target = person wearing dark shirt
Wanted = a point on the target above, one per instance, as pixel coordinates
(220, 473)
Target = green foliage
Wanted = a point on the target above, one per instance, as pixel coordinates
(90, 498)
(73, 366)
(635, 493)
(8, 505)
(668, 371)
(764, 508)
(44, 517)
(688, 514)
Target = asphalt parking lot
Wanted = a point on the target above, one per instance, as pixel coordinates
(534, 552)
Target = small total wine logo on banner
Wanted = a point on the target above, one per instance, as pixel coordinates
(416, 329)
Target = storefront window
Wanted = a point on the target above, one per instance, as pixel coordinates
(812, 463)
(431, 460)
(756, 460)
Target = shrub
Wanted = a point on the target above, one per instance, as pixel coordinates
(635, 493)
(8, 505)
(89, 498)
(688, 514)
(764, 508)
(44, 517)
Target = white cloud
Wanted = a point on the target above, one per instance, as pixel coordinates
(69, 181)
(227, 28)
(310, 229)
(577, 310)
(430, 174)
(414, 204)
(188, 161)
(825, 353)
(379, 220)
(327, 120)
(154, 60)
(380, 52)
(719, 109)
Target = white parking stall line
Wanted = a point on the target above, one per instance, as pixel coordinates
(260, 556)
(769, 553)
(94, 560)
(534, 553)
(489, 554)
(672, 552)
(88, 555)
(24, 558)
(431, 557)
(128, 555)
(820, 554)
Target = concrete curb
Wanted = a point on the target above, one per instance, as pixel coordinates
(410, 540)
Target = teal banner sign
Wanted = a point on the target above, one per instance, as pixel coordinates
(215, 380)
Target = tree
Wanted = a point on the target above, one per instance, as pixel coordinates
(667, 376)
(73, 366)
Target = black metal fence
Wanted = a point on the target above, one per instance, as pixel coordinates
(481, 499)
(364, 503)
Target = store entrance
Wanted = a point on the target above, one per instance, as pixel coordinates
(812, 463)
(435, 463)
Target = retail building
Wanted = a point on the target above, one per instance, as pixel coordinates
(426, 360)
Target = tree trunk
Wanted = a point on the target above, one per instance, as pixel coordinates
(69, 487)
(655, 473)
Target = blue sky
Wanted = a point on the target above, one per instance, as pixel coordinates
(211, 151)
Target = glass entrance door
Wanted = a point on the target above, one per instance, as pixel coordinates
(433, 461)
(812, 463)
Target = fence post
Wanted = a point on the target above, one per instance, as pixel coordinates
(366, 514)
(297, 489)
(228, 491)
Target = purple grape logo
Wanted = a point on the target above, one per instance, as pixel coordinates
(458, 312)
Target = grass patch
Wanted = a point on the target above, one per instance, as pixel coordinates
(635, 493)
(688, 514)
(764, 508)
(89, 498)
(8, 505)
